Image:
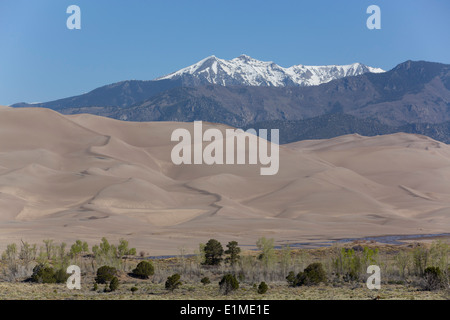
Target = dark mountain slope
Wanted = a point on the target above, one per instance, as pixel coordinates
(120, 94)
(413, 92)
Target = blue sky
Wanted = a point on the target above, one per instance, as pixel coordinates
(41, 60)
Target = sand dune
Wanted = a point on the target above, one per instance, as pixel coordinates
(83, 176)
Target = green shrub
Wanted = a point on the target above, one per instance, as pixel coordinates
(173, 282)
(262, 288)
(228, 284)
(105, 274)
(95, 287)
(312, 275)
(434, 279)
(61, 276)
(205, 281)
(351, 275)
(291, 279)
(143, 270)
(43, 274)
(402, 282)
(114, 284)
(133, 289)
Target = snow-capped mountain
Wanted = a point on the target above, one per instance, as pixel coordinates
(247, 71)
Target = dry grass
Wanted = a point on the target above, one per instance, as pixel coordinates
(151, 291)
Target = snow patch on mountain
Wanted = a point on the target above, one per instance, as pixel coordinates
(247, 71)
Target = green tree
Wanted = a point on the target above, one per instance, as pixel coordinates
(78, 248)
(106, 254)
(439, 254)
(213, 252)
(27, 253)
(42, 256)
(10, 254)
(9, 257)
(49, 248)
(61, 251)
(285, 259)
(402, 261)
(106, 249)
(348, 264)
(369, 256)
(233, 252)
(420, 259)
(200, 254)
(124, 250)
(62, 260)
(267, 255)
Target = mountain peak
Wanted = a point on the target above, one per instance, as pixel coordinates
(418, 64)
(244, 57)
(247, 71)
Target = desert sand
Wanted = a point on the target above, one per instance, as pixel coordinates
(85, 177)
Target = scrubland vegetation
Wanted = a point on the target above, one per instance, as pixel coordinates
(115, 271)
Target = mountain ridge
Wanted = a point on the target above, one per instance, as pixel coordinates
(247, 71)
(395, 98)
